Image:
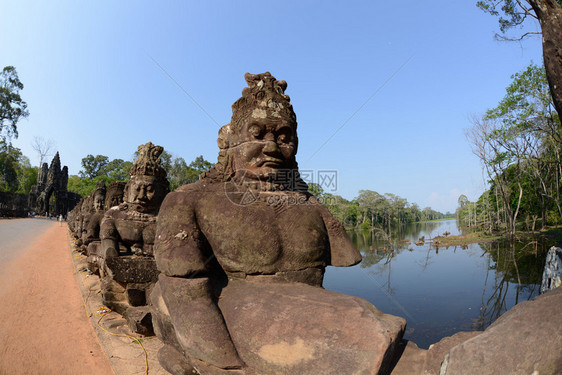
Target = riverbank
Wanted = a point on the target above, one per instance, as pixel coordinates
(553, 234)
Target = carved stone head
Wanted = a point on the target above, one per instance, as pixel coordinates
(261, 138)
(148, 185)
(99, 197)
(114, 194)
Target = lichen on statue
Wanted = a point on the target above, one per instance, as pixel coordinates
(242, 254)
(127, 234)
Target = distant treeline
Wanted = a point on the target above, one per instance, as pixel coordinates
(371, 210)
(100, 168)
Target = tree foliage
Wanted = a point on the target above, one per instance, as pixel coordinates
(180, 173)
(527, 105)
(373, 211)
(518, 143)
(100, 168)
(93, 166)
(85, 186)
(117, 170)
(16, 173)
(513, 13)
(12, 107)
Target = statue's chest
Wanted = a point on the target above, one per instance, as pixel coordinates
(261, 238)
(136, 232)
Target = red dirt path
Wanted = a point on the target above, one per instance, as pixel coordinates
(43, 325)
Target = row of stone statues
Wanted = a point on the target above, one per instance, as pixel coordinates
(115, 228)
(228, 271)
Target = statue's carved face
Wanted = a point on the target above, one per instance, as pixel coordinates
(143, 193)
(114, 199)
(266, 146)
(98, 202)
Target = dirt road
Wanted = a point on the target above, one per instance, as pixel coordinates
(43, 325)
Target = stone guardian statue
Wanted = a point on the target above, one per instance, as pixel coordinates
(242, 254)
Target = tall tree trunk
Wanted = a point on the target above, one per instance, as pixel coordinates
(498, 217)
(549, 13)
(514, 221)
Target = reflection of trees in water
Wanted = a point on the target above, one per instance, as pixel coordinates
(400, 237)
(376, 244)
(515, 263)
(413, 231)
(513, 269)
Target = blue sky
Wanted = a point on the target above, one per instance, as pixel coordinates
(94, 86)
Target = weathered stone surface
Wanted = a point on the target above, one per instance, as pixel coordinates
(110, 285)
(114, 194)
(416, 361)
(199, 326)
(163, 327)
(94, 256)
(137, 293)
(301, 329)
(411, 361)
(174, 362)
(437, 352)
(139, 319)
(132, 269)
(525, 340)
(552, 275)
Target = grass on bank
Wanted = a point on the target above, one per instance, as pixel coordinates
(551, 234)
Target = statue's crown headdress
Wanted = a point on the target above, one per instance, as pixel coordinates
(264, 98)
(148, 162)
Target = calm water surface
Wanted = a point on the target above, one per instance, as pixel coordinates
(440, 291)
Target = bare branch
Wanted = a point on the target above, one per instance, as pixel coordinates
(43, 148)
(503, 38)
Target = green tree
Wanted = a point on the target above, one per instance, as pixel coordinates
(12, 107)
(117, 170)
(27, 175)
(528, 105)
(200, 165)
(9, 164)
(513, 13)
(85, 186)
(165, 160)
(93, 166)
(180, 173)
(315, 189)
(518, 143)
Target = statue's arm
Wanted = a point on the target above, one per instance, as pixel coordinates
(93, 228)
(109, 236)
(181, 257)
(343, 252)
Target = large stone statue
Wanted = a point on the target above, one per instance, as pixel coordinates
(91, 223)
(114, 194)
(242, 254)
(113, 198)
(127, 237)
(86, 209)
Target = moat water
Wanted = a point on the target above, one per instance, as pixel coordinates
(440, 291)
